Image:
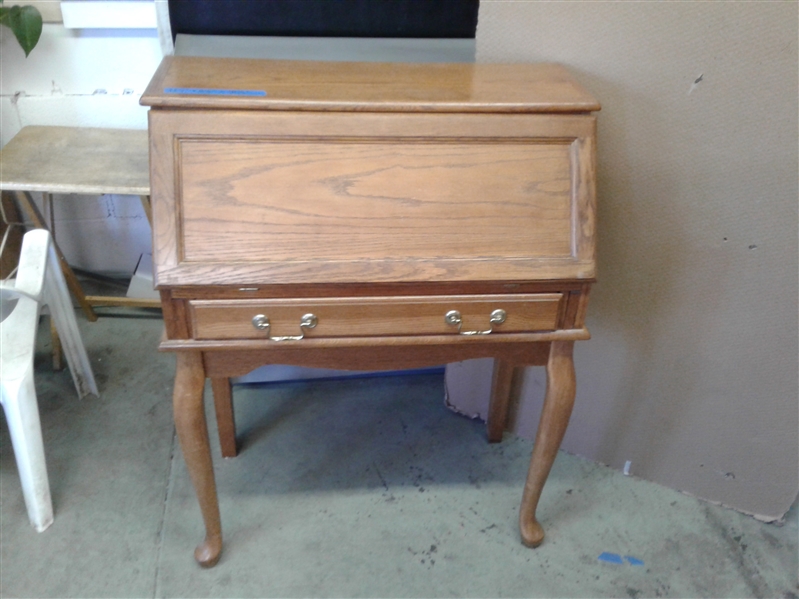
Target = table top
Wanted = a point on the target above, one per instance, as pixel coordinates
(76, 160)
(241, 84)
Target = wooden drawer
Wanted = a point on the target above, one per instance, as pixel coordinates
(373, 316)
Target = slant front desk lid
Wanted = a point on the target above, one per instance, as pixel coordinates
(291, 172)
(185, 81)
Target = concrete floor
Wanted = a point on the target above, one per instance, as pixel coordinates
(366, 487)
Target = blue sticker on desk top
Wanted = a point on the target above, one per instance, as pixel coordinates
(202, 91)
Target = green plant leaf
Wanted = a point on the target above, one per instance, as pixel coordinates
(25, 22)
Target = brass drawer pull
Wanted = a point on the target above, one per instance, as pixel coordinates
(260, 322)
(308, 321)
(453, 318)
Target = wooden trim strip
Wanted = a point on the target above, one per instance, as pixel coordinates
(318, 291)
(422, 341)
(229, 364)
(372, 271)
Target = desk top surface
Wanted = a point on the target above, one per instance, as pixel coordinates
(76, 160)
(248, 84)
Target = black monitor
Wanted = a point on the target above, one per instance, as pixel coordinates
(326, 18)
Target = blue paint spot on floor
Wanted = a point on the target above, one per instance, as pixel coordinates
(633, 561)
(612, 558)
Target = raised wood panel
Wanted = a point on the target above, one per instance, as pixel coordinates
(328, 200)
(363, 317)
(525, 213)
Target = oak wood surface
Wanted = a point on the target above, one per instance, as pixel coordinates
(174, 314)
(261, 290)
(558, 404)
(378, 271)
(375, 316)
(504, 382)
(376, 200)
(582, 307)
(309, 85)
(387, 197)
(192, 433)
(225, 415)
(377, 197)
(376, 357)
(338, 343)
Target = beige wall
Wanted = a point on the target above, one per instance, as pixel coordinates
(692, 370)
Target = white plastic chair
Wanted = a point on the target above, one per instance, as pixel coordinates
(39, 281)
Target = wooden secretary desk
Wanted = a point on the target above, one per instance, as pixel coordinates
(369, 216)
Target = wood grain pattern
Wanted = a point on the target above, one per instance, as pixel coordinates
(174, 314)
(338, 343)
(572, 303)
(555, 414)
(376, 316)
(225, 415)
(582, 308)
(192, 431)
(504, 382)
(378, 197)
(260, 290)
(583, 162)
(387, 197)
(375, 200)
(356, 86)
(374, 357)
(252, 125)
(165, 208)
(299, 272)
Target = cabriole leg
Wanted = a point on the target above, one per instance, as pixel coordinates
(555, 415)
(193, 436)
